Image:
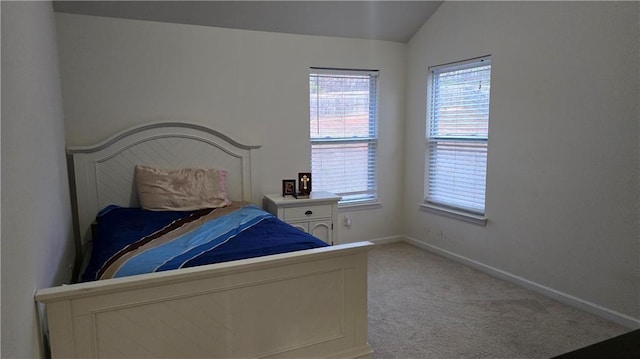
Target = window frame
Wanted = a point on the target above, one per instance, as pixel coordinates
(436, 200)
(369, 195)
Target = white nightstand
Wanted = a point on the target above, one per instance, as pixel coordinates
(317, 215)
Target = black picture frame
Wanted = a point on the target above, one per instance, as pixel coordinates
(304, 183)
(288, 187)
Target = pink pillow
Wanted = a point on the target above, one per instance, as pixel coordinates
(184, 189)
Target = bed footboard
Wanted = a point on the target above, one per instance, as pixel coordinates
(310, 304)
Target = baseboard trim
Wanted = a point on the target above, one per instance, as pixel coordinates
(612, 315)
(387, 240)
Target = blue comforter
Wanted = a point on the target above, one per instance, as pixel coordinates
(131, 241)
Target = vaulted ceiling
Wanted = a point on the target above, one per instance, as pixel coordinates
(378, 20)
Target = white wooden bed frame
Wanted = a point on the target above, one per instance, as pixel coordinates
(305, 304)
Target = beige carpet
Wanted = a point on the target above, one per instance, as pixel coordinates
(422, 305)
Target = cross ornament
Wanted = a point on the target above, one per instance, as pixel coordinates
(304, 181)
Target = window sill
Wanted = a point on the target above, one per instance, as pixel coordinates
(359, 205)
(452, 213)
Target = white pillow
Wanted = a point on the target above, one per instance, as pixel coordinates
(184, 189)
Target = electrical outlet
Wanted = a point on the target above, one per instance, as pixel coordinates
(347, 221)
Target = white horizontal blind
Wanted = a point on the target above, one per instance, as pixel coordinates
(343, 129)
(457, 135)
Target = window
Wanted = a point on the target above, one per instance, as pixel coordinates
(343, 125)
(457, 135)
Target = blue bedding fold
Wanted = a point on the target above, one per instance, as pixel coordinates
(246, 233)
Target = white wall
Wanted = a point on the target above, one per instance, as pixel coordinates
(562, 186)
(37, 244)
(252, 86)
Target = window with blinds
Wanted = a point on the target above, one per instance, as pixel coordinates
(457, 135)
(343, 125)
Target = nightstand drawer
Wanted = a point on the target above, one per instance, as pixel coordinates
(307, 212)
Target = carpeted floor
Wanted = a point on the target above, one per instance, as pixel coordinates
(422, 305)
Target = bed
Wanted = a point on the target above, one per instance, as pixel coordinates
(309, 303)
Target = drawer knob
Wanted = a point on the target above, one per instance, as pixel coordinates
(308, 213)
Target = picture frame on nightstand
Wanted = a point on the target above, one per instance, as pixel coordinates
(288, 187)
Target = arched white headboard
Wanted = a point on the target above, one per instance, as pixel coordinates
(102, 174)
